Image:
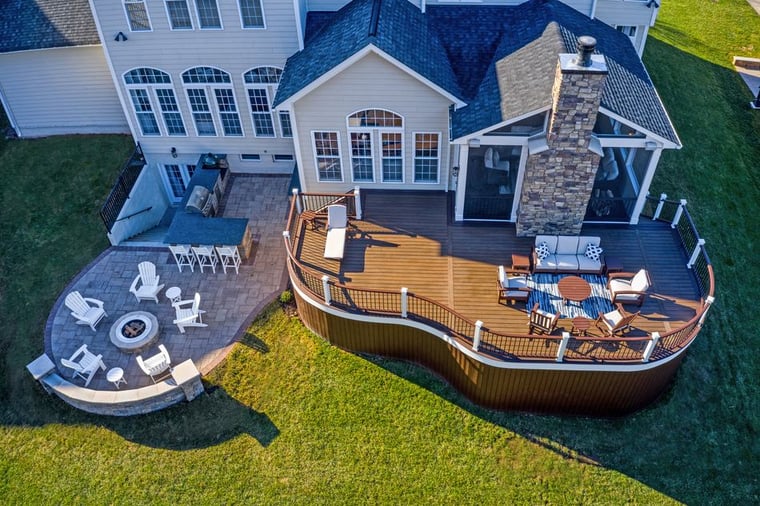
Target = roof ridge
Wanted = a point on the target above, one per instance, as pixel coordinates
(374, 19)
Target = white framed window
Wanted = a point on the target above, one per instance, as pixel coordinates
(392, 156)
(137, 16)
(150, 91)
(362, 167)
(286, 128)
(179, 14)
(251, 14)
(208, 15)
(327, 156)
(261, 85)
(204, 85)
(629, 30)
(376, 137)
(250, 157)
(427, 157)
(176, 178)
(283, 158)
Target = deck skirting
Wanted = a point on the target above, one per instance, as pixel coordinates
(546, 388)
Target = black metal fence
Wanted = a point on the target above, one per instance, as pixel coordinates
(114, 203)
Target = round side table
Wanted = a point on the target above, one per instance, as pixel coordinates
(174, 294)
(116, 376)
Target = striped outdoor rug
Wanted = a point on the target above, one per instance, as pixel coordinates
(545, 292)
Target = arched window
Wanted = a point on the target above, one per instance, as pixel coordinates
(151, 90)
(377, 138)
(261, 87)
(200, 82)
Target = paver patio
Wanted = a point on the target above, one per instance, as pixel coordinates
(231, 301)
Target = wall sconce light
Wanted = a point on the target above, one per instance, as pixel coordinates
(653, 3)
(120, 37)
(174, 152)
(474, 143)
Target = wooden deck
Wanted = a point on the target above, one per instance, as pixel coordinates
(408, 240)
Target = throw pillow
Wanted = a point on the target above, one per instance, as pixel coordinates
(542, 251)
(593, 252)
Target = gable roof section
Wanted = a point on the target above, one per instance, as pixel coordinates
(395, 27)
(44, 24)
(521, 73)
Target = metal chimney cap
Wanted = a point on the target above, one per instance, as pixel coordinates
(586, 47)
(587, 41)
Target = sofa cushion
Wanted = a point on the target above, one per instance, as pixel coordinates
(542, 251)
(566, 262)
(585, 264)
(640, 282)
(567, 245)
(593, 252)
(584, 241)
(551, 240)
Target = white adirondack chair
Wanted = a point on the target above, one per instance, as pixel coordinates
(157, 365)
(148, 283)
(87, 311)
(189, 316)
(85, 366)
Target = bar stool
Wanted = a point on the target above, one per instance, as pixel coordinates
(206, 257)
(183, 256)
(229, 256)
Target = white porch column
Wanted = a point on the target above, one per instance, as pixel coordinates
(462, 183)
(644, 190)
(358, 202)
(476, 336)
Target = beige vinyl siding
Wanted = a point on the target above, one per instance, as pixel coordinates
(233, 49)
(628, 13)
(61, 91)
(371, 83)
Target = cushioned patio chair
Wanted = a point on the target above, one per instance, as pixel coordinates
(512, 286)
(628, 288)
(189, 316)
(87, 311)
(145, 286)
(157, 366)
(84, 364)
(615, 322)
(542, 322)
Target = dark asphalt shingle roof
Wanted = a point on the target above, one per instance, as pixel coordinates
(398, 28)
(500, 60)
(43, 24)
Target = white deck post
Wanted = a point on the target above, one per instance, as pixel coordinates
(326, 288)
(476, 336)
(708, 301)
(563, 346)
(695, 253)
(286, 236)
(404, 302)
(358, 202)
(299, 207)
(651, 346)
(663, 198)
(678, 214)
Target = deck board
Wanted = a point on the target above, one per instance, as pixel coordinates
(407, 240)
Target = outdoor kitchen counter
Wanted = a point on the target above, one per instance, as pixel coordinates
(195, 229)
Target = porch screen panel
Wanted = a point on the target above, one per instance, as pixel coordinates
(392, 157)
(327, 154)
(426, 157)
(204, 123)
(361, 157)
(144, 112)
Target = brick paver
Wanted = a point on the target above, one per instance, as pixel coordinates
(230, 301)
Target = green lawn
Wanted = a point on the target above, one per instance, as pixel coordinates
(290, 419)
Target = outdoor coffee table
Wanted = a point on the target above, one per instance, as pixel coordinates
(573, 288)
(116, 376)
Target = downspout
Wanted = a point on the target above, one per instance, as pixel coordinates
(592, 14)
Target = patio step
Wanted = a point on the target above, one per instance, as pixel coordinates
(152, 237)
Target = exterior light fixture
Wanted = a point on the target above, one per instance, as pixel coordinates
(174, 152)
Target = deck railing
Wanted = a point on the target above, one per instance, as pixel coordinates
(114, 203)
(501, 346)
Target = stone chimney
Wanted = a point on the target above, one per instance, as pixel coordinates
(559, 179)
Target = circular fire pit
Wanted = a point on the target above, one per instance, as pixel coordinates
(134, 331)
